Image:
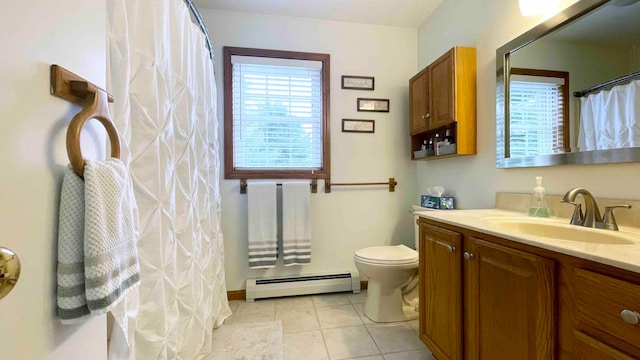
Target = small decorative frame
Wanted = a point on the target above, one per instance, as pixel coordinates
(358, 82)
(375, 105)
(358, 126)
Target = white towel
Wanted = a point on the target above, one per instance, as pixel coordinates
(97, 236)
(263, 227)
(296, 223)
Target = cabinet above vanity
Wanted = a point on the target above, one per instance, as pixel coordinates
(442, 102)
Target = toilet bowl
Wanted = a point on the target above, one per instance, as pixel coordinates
(389, 269)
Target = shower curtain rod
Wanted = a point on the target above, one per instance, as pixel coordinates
(613, 82)
(196, 14)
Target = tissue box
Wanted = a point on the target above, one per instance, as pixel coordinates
(437, 202)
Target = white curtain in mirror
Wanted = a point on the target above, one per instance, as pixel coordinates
(610, 119)
(162, 78)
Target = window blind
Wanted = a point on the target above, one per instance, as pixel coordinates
(277, 115)
(536, 125)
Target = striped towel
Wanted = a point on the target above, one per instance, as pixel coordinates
(263, 227)
(97, 235)
(296, 223)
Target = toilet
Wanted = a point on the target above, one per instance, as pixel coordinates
(392, 273)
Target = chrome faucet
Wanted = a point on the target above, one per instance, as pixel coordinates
(591, 212)
(591, 216)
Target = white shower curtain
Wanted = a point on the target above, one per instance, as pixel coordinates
(162, 78)
(610, 119)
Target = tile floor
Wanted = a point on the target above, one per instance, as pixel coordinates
(333, 326)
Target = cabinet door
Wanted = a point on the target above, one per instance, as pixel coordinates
(441, 77)
(419, 103)
(441, 292)
(513, 296)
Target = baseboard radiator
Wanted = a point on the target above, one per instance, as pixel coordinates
(303, 285)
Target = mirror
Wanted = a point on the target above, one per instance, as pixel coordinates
(543, 73)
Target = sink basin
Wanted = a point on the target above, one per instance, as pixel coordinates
(560, 231)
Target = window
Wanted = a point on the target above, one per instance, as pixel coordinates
(539, 112)
(276, 114)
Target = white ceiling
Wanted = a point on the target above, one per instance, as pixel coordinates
(401, 13)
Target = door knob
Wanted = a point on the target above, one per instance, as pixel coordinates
(9, 271)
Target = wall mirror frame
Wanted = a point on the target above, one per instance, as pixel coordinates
(504, 61)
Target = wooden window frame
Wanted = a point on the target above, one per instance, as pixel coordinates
(232, 173)
(566, 126)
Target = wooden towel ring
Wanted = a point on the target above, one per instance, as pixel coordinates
(96, 108)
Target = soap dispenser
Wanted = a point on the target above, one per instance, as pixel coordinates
(539, 206)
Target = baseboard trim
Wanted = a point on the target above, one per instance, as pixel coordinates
(236, 295)
(242, 294)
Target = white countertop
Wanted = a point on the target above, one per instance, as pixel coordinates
(624, 256)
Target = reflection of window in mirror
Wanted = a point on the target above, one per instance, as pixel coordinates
(539, 112)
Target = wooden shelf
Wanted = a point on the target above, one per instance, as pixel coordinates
(443, 96)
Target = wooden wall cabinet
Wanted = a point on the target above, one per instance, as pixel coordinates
(443, 95)
(483, 297)
(419, 103)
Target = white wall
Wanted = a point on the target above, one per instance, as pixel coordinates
(35, 34)
(587, 64)
(347, 219)
(487, 25)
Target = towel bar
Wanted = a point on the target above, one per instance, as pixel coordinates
(313, 184)
(391, 183)
(72, 87)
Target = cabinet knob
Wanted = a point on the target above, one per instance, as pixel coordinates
(630, 317)
(467, 255)
(449, 248)
(427, 116)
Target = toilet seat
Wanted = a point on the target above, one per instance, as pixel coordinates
(387, 255)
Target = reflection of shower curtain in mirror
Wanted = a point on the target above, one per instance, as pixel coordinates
(610, 119)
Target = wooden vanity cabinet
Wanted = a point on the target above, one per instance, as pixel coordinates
(588, 348)
(600, 299)
(483, 297)
(509, 302)
(486, 294)
(443, 95)
(441, 291)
